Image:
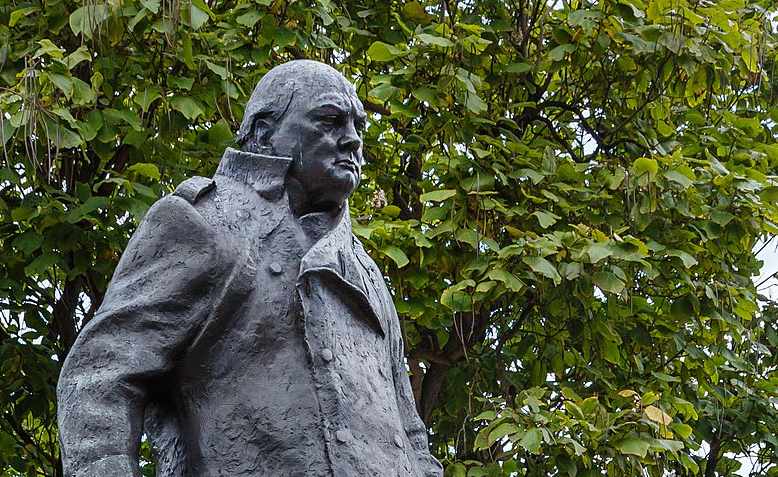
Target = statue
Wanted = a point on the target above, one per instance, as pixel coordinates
(245, 331)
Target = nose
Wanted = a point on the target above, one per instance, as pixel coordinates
(350, 140)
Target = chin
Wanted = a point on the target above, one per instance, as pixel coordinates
(347, 183)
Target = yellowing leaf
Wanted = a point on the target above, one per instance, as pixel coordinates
(658, 415)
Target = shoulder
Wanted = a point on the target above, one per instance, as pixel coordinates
(176, 217)
(194, 188)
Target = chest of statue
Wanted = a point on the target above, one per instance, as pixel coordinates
(301, 369)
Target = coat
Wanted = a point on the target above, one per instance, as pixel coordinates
(242, 341)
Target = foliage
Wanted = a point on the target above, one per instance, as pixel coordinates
(565, 197)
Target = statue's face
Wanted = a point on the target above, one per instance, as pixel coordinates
(322, 132)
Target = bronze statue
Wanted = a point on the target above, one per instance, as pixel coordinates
(245, 331)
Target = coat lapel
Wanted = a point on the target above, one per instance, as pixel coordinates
(333, 255)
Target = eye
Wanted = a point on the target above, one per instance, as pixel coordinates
(360, 126)
(329, 120)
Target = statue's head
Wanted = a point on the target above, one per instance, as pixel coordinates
(308, 111)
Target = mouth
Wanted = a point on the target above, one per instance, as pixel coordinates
(348, 164)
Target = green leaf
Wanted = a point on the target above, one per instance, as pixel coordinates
(545, 219)
(458, 470)
(667, 445)
(608, 282)
(41, 264)
(610, 352)
(85, 20)
(197, 17)
(391, 211)
(82, 92)
(502, 430)
(90, 125)
(518, 68)
(688, 260)
(115, 116)
(204, 7)
(559, 52)
(474, 103)
(531, 440)
(633, 446)
(64, 83)
(383, 91)
(435, 40)
(81, 54)
(456, 298)
(249, 19)
(683, 430)
(85, 209)
(20, 13)
(543, 267)
(511, 281)
(380, 51)
(679, 178)
(151, 5)
(50, 49)
(396, 254)
(187, 106)
(437, 195)
(600, 250)
(415, 11)
(645, 166)
(146, 96)
(27, 242)
(426, 94)
(145, 169)
(750, 57)
(7, 131)
(219, 70)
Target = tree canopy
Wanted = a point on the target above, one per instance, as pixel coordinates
(565, 197)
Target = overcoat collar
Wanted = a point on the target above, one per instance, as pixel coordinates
(264, 173)
(332, 255)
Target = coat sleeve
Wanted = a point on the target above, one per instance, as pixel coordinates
(414, 427)
(160, 294)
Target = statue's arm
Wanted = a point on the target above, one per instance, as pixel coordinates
(414, 427)
(157, 299)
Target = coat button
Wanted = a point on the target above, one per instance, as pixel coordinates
(398, 441)
(343, 435)
(326, 355)
(275, 268)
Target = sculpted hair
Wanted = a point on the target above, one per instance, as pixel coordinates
(274, 94)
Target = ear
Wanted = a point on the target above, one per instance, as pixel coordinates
(258, 138)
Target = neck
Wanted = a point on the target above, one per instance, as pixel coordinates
(302, 203)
